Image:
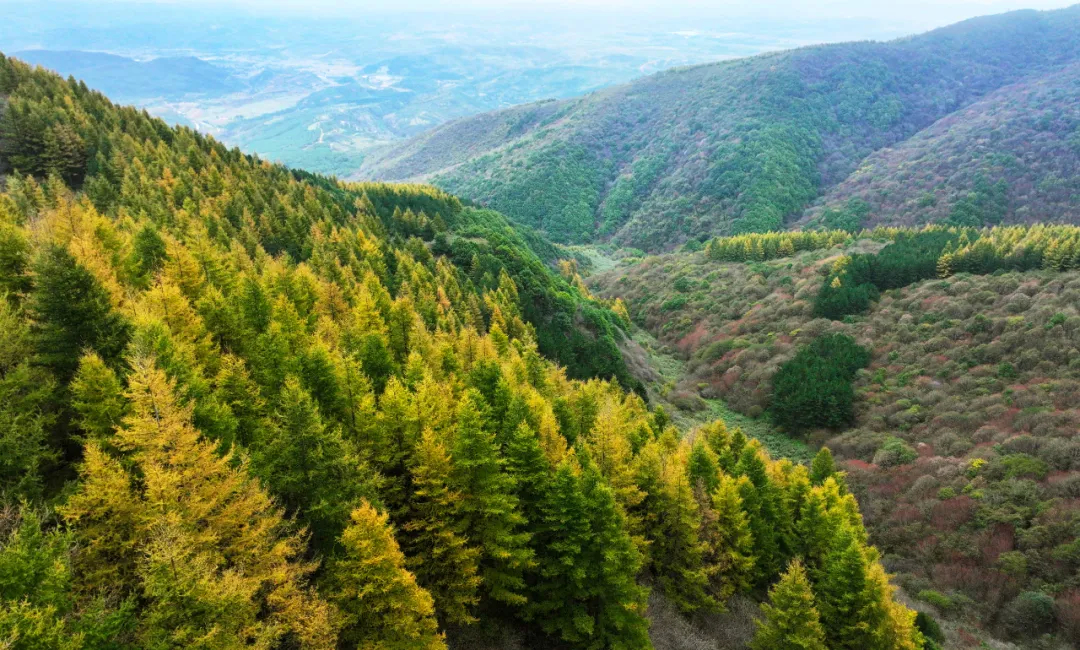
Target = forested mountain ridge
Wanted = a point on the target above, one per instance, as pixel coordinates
(246, 406)
(738, 146)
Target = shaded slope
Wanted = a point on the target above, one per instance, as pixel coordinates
(126, 78)
(1013, 156)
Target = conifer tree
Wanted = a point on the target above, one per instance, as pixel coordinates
(816, 528)
(444, 562)
(14, 261)
(760, 501)
(396, 435)
(729, 543)
(38, 608)
(26, 451)
(147, 253)
(620, 602)
(558, 601)
(587, 595)
(489, 507)
(791, 620)
(309, 467)
(671, 526)
(704, 467)
(235, 388)
(98, 398)
(382, 607)
(230, 531)
(822, 466)
(72, 314)
(854, 597)
(527, 463)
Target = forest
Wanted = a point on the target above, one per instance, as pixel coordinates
(246, 406)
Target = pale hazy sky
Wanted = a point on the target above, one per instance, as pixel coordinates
(915, 11)
(893, 17)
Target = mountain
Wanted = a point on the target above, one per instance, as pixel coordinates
(739, 146)
(315, 91)
(1013, 157)
(121, 77)
(245, 405)
(957, 425)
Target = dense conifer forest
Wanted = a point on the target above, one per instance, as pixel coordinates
(246, 406)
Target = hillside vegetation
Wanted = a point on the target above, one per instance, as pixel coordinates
(959, 434)
(744, 145)
(244, 406)
(1012, 157)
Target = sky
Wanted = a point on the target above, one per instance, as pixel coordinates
(800, 22)
(918, 13)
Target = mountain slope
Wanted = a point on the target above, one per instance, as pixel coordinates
(963, 442)
(248, 406)
(729, 147)
(1025, 137)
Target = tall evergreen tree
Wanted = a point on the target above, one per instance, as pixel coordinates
(761, 502)
(728, 540)
(382, 607)
(856, 604)
(791, 621)
(445, 563)
(704, 466)
(489, 507)
(822, 466)
(72, 314)
(27, 451)
(198, 512)
(98, 398)
(586, 594)
(671, 524)
(309, 467)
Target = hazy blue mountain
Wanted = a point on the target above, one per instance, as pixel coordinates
(128, 79)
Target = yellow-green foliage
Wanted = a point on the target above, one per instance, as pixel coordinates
(758, 247)
(275, 410)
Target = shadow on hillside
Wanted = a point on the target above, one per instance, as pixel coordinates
(731, 630)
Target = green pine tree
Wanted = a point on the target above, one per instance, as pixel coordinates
(822, 466)
(790, 620)
(309, 467)
(381, 605)
(98, 398)
(490, 515)
(72, 315)
(444, 562)
(729, 542)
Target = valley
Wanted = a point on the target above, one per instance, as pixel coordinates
(318, 93)
(962, 445)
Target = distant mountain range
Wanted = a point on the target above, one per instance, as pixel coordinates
(127, 79)
(975, 122)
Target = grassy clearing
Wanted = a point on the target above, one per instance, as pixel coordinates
(669, 370)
